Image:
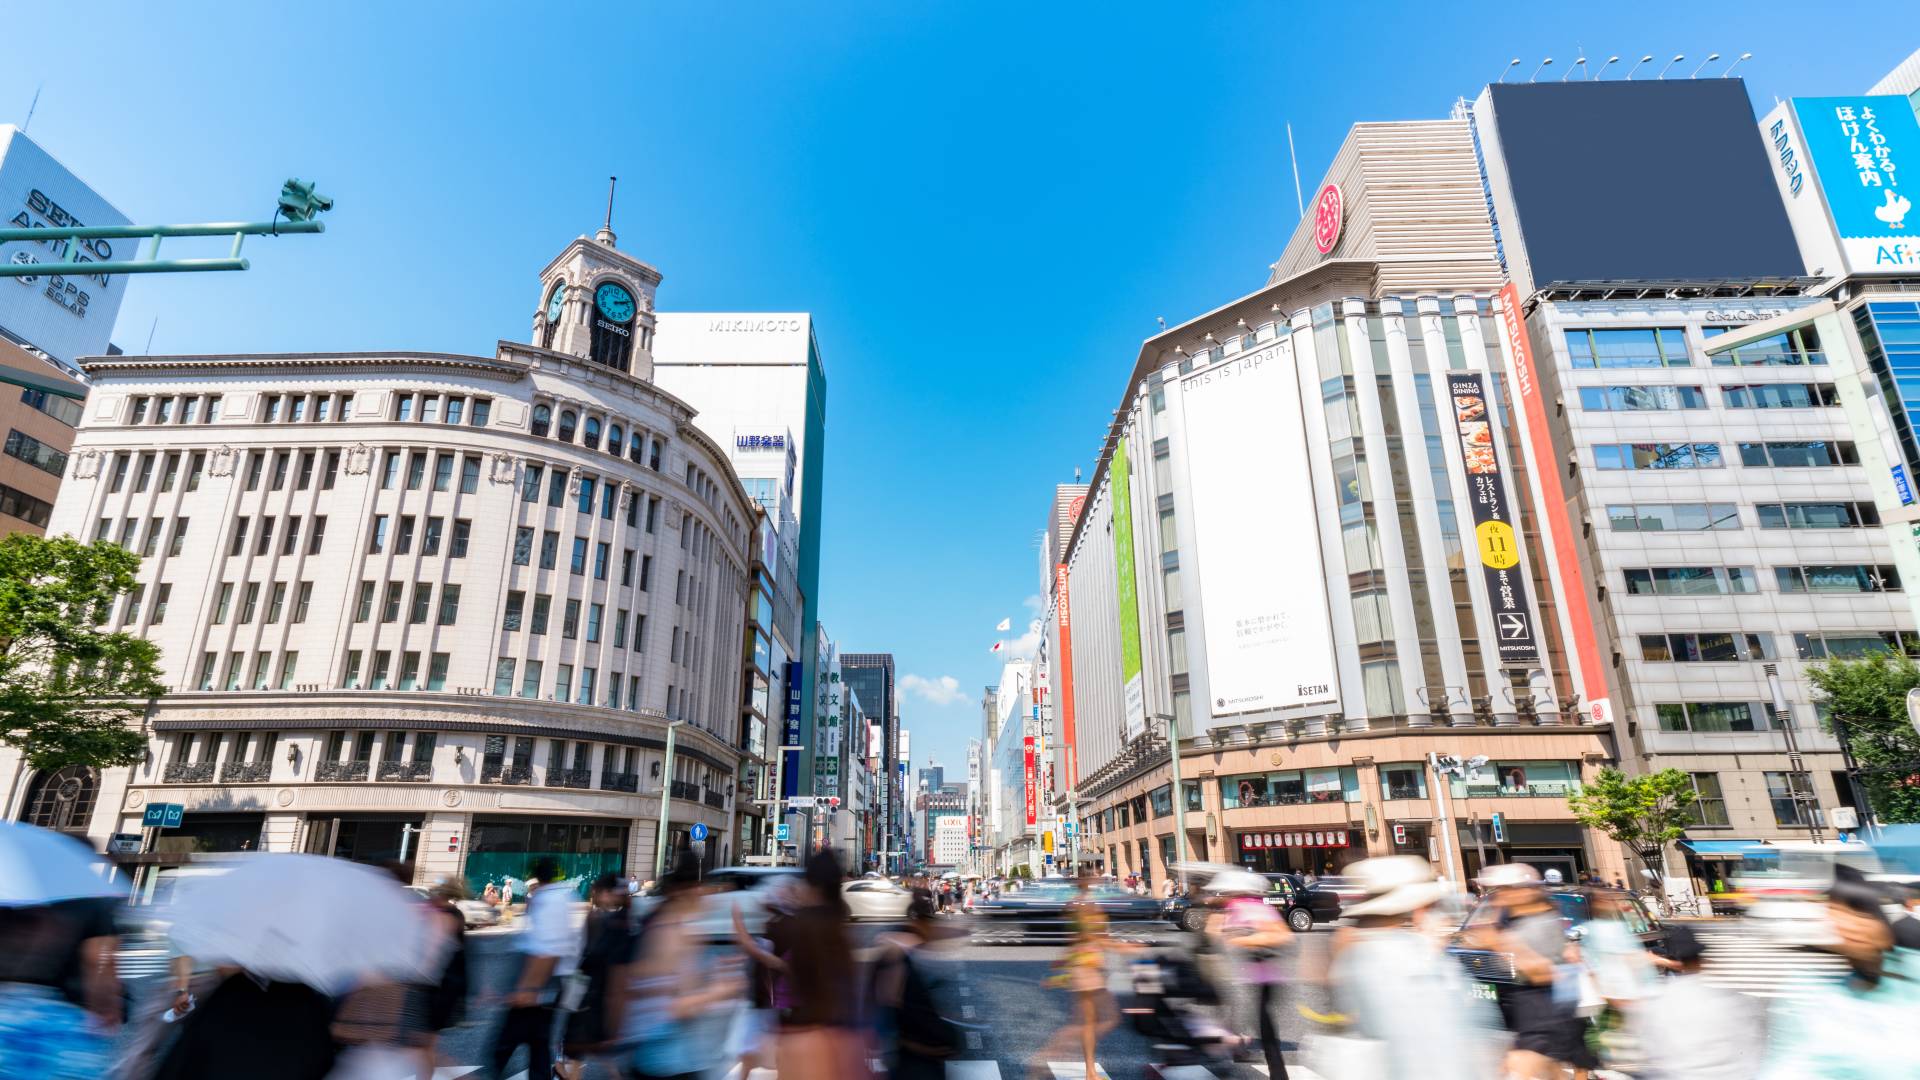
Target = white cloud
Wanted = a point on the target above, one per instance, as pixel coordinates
(1024, 647)
(939, 690)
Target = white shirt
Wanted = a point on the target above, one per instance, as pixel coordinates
(550, 930)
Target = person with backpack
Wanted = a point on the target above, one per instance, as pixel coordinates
(916, 1040)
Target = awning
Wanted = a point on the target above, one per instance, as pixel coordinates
(1733, 850)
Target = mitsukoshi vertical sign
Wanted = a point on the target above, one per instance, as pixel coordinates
(1134, 692)
(1493, 518)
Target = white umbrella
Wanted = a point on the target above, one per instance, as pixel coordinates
(40, 866)
(325, 922)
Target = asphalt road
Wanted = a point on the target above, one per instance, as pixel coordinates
(998, 991)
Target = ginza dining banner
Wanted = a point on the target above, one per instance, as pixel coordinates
(1257, 545)
(1494, 516)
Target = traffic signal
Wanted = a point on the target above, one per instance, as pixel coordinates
(300, 202)
(1400, 834)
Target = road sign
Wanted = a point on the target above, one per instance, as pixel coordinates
(781, 832)
(162, 816)
(124, 843)
(698, 832)
(800, 802)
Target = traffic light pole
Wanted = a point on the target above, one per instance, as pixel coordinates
(71, 264)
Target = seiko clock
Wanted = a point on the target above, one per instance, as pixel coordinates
(615, 302)
(555, 302)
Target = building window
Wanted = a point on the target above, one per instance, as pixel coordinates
(1656, 456)
(1814, 453)
(390, 609)
(1705, 647)
(422, 603)
(1673, 517)
(568, 422)
(430, 540)
(1713, 716)
(1795, 348)
(542, 605)
(1641, 398)
(364, 609)
(1403, 781)
(1821, 646)
(1629, 348)
(542, 420)
(502, 679)
(570, 620)
(449, 605)
(516, 603)
(549, 549)
(49, 460)
(530, 483)
(1791, 794)
(1709, 807)
(1690, 580)
(1838, 579)
(469, 475)
(1816, 515)
(1781, 396)
(578, 563)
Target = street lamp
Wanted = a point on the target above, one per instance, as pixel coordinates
(1677, 58)
(666, 797)
(1647, 59)
(1179, 795)
(1711, 57)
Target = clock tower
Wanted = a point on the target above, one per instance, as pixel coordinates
(596, 302)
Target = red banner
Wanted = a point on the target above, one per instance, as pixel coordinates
(1557, 518)
(1063, 700)
(1033, 784)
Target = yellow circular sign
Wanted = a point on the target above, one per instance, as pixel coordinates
(1499, 548)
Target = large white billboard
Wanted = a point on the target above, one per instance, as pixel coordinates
(66, 317)
(1257, 544)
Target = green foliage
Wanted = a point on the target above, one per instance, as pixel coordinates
(1868, 698)
(70, 692)
(1643, 812)
(1022, 871)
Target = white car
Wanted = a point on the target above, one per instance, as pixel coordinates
(739, 887)
(870, 898)
(475, 913)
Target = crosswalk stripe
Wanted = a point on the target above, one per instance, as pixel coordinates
(1076, 1070)
(1741, 959)
(973, 1070)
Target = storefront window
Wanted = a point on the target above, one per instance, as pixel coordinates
(1510, 779)
(1296, 788)
(1403, 781)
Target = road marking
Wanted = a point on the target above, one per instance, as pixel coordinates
(966, 1012)
(1076, 1070)
(973, 1070)
(455, 1072)
(973, 1040)
(965, 990)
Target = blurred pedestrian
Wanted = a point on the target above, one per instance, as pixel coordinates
(382, 1025)
(1251, 933)
(548, 950)
(672, 1016)
(916, 1041)
(594, 1022)
(248, 1021)
(819, 1036)
(447, 994)
(1689, 1029)
(1548, 1031)
(1082, 972)
(1407, 1004)
(1864, 1028)
(42, 1032)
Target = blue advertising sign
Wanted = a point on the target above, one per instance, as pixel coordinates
(698, 832)
(1901, 485)
(1858, 146)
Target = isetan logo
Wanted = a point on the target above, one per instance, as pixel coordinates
(754, 326)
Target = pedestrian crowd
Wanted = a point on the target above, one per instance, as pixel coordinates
(304, 967)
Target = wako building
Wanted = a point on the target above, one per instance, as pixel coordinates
(424, 604)
(1377, 600)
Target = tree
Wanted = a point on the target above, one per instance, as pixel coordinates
(70, 692)
(1866, 702)
(1642, 812)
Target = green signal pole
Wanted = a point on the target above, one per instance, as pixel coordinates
(298, 205)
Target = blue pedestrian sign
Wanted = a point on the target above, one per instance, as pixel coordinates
(698, 832)
(162, 816)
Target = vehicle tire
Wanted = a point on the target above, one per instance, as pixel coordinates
(1300, 919)
(1193, 919)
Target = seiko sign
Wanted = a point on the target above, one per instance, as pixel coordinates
(67, 316)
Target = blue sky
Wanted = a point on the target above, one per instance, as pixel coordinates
(985, 206)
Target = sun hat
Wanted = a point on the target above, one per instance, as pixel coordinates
(1395, 885)
(1507, 875)
(1237, 883)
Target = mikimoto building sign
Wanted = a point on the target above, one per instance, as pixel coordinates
(65, 317)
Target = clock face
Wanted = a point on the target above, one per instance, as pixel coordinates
(554, 303)
(615, 302)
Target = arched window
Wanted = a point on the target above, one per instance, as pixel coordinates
(616, 438)
(63, 800)
(592, 433)
(637, 449)
(653, 459)
(542, 420)
(567, 422)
